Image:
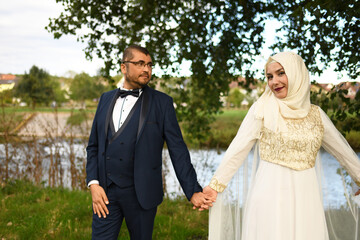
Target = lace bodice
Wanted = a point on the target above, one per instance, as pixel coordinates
(297, 148)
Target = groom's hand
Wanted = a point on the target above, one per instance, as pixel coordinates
(99, 200)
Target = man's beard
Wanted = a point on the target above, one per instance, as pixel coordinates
(135, 81)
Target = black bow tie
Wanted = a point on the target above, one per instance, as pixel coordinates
(124, 93)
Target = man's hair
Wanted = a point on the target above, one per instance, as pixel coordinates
(128, 52)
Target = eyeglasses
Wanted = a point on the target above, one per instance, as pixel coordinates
(140, 64)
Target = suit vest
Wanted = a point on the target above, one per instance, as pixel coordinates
(120, 149)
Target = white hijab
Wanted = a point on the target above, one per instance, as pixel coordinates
(297, 102)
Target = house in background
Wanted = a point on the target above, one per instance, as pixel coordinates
(351, 87)
(7, 81)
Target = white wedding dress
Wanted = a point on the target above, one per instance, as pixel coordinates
(284, 201)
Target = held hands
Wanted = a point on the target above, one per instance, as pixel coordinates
(203, 200)
(99, 200)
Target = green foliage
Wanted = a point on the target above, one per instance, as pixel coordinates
(77, 118)
(224, 129)
(325, 30)
(6, 97)
(235, 97)
(36, 87)
(220, 38)
(36, 212)
(343, 111)
(85, 87)
(59, 94)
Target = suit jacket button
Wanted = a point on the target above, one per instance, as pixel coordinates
(103, 153)
(107, 158)
(108, 174)
(120, 159)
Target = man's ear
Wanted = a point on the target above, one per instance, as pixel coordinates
(123, 68)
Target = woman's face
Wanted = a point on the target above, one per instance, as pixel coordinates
(277, 79)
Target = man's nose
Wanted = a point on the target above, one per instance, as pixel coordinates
(147, 68)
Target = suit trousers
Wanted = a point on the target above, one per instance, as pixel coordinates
(123, 203)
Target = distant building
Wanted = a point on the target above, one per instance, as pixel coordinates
(7, 81)
(351, 87)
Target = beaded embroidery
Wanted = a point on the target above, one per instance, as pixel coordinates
(216, 185)
(297, 148)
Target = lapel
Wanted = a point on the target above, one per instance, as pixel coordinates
(109, 112)
(115, 134)
(144, 112)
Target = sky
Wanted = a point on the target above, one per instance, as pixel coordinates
(25, 42)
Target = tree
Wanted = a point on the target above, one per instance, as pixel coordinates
(322, 31)
(220, 38)
(35, 87)
(84, 87)
(235, 97)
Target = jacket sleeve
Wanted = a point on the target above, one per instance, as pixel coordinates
(92, 150)
(179, 152)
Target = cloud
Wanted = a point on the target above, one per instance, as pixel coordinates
(24, 42)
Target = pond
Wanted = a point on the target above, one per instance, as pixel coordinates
(66, 159)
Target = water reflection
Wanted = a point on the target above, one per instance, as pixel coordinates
(62, 163)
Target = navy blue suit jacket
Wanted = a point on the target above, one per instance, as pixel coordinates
(157, 124)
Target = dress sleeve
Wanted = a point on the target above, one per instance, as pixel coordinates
(237, 151)
(335, 144)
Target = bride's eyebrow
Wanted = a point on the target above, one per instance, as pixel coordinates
(280, 70)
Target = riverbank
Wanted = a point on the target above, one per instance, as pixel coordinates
(36, 212)
(76, 123)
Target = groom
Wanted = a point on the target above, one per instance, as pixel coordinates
(124, 153)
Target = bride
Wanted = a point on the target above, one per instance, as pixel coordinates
(284, 201)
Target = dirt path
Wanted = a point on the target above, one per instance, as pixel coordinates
(52, 124)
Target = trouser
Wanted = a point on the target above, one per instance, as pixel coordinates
(123, 203)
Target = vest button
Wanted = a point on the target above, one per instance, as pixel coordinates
(107, 158)
(120, 159)
(108, 174)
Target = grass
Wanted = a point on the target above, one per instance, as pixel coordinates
(45, 109)
(36, 212)
(9, 121)
(224, 129)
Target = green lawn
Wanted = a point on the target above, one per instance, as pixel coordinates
(32, 212)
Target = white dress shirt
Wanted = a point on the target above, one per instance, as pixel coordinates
(121, 110)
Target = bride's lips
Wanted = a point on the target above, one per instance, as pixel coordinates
(278, 89)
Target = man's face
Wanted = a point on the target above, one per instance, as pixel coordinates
(137, 76)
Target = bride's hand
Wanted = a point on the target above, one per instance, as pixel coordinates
(210, 193)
